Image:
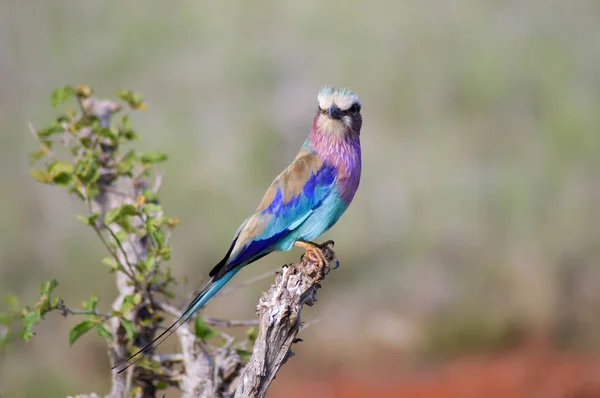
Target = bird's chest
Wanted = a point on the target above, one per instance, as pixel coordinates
(348, 177)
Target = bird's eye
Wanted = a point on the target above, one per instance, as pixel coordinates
(355, 108)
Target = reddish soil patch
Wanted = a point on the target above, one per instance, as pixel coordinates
(525, 373)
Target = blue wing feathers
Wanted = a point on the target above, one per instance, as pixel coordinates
(255, 248)
(281, 217)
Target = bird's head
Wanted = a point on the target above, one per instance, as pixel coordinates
(338, 113)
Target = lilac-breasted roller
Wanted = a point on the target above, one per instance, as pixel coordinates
(303, 202)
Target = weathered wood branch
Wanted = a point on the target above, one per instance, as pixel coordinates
(279, 312)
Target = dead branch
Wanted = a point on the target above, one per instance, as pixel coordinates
(279, 313)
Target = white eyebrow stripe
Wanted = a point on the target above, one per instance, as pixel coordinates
(343, 98)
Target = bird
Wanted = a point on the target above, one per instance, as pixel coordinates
(303, 201)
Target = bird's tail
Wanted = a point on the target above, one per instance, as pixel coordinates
(211, 288)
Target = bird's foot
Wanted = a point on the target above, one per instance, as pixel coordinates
(320, 254)
(327, 248)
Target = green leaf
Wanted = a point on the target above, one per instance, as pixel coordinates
(165, 253)
(129, 328)
(41, 175)
(104, 332)
(12, 301)
(146, 322)
(29, 320)
(127, 163)
(126, 122)
(62, 95)
(147, 263)
(126, 131)
(202, 331)
(130, 135)
(92, 190)
(134, 100)
(91, 220)
(252, 334)
(87, 170)
(7, 318)
(83, 219)
(90, 305)
(112, 215)
(61, 172)
(150, 196)
(121, 235)
(117, 213)
(60, 167)
(111, 262)
(127, 223)
(80, 329)
(125, 95)
(161, 385)
(48, 287)
(129, 301)
(37, 155)
(54, 128)
(153, 157)
(159, 238)
(137, 98)
(63, 179)
(108, 132)
(128, 210)
(244, 354)
(152, 208)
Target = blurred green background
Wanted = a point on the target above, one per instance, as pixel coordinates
(477, 222)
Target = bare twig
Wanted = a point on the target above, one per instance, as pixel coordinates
(68, 311)
(250, 281)
(158, 181)
(37, 137)
(306, 325)
(114, 236)
(113, 253)
(228, 323)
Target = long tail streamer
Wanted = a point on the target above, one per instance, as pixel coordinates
(202, 298)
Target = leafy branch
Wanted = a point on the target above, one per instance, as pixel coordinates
(124, 211)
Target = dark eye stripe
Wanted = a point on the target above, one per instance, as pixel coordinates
(355, 108)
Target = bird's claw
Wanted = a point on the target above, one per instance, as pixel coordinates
(328, 253)
(320, 254)
(327, 244)
(337, 263)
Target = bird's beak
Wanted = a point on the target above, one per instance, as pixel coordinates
(335, 112)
